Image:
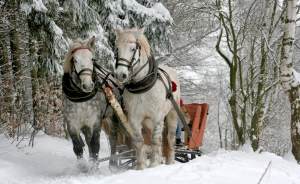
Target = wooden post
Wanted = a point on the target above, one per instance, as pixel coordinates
(118, 110)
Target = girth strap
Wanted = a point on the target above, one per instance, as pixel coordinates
(170, 96)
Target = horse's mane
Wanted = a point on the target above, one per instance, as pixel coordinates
(67, 61)
(140, 39)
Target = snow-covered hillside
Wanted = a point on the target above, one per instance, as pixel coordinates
(52, 161)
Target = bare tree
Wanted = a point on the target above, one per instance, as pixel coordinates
(288, 76)
(249, 34)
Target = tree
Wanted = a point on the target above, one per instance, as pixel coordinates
(289, 77)
(35, 36)
(249, 31)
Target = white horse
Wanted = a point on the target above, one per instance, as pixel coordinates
(84, 107)
(145, 96)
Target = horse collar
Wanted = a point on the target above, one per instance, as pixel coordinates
(75, 94)
(148, 82)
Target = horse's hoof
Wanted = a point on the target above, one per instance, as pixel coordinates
(140, 167)
(154, 164)
(93, 165)
(83, 166)
(169, 162)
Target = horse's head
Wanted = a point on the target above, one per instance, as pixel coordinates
(132, 51)
(79, 64)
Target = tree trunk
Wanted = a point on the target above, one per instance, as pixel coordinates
(294, 97)
(257, 119)
(6, 107)
(288, 75)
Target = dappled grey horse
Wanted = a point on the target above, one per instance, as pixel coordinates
(85, 105)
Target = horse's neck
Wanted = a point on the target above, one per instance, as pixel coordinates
(144, 72)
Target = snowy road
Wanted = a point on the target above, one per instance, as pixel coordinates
(51, 161)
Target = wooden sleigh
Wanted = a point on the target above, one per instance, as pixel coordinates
(192, 144)
(123, 156)
(122, 152)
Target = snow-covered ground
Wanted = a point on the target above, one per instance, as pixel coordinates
(52, 161)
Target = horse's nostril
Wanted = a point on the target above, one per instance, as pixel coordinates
(84, 86)
(124, 76)
(88, 86)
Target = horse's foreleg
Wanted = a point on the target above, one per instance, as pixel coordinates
(171, 121)
(77, 142)
(92, 141)
(87, 132)
(95, 144)
(138, 142)
(156, 156)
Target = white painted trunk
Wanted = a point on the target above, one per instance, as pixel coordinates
(287, 73)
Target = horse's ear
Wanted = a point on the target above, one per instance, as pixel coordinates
(92, 42)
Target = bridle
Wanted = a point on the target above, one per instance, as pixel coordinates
(148, 81)
(130, 64)
(70, 88)
(84, 71)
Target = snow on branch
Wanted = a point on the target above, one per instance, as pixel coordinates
(157, 11)
(296, 81)
(36, 5)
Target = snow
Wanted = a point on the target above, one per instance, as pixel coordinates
(157, 11)
(25, 7)
(38, 5)
(57, 30)
(51, 161)
(297, 77)
(187, 73)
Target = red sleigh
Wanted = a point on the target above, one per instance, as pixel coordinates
(198, 114)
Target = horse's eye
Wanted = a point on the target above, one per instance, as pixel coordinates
(132, 49)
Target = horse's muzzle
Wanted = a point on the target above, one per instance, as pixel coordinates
(122, 77)
(87, 86)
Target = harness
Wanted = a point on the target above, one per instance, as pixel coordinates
(148, 82)
(73, 92)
